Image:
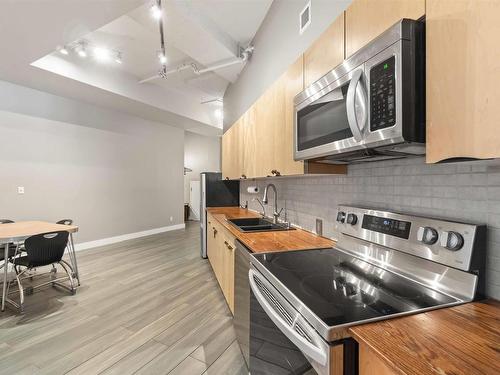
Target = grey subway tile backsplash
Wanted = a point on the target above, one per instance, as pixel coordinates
(468, 191)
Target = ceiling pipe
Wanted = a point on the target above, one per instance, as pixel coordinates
(163, 73)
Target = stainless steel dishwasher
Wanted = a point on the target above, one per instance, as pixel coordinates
(242, 299)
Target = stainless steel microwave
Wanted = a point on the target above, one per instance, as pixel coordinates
(370, 107)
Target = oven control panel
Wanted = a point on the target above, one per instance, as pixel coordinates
(393, 227)
(383, 95)
(443, 241)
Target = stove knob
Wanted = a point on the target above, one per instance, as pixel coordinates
(427, 235)
(352, 219)
(341, 217)
(452, 240)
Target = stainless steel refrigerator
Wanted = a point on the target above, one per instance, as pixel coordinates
(215, 192)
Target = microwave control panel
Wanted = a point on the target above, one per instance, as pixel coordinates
(383, 95)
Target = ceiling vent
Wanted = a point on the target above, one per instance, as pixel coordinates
(305, 18)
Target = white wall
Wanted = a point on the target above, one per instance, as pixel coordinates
(201, 154)
(277, 45)
(112, 173)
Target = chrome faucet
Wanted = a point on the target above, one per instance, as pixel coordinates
(276, 214)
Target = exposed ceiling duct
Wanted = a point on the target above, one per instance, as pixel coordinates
(163, 72)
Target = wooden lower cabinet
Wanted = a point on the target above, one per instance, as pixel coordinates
(371, 364)
(221, 246)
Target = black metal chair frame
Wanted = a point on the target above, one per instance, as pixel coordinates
(23, 274)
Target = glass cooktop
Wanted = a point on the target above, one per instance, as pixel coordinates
(342, 289)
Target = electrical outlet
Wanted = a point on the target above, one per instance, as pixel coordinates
(319, 227)
(20, 190)
(171, 218)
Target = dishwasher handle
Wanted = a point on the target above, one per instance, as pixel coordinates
(314, 352)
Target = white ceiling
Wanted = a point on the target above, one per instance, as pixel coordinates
(203, 32)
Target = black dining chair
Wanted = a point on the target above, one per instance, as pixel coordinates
(44, 250)
(65, 222)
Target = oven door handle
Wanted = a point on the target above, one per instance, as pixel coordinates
(356, 98)
(314, 352)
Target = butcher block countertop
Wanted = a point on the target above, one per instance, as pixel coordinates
(464, 339)
(258, 242)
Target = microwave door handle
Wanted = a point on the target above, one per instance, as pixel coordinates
(356, 94)
(314, 352)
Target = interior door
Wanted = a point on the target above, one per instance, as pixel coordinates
(194, 199)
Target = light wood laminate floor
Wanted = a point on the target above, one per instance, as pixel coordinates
(146, 306)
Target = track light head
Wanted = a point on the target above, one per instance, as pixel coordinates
(156, 12)
(162, 57)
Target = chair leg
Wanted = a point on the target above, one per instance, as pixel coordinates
(21, 290)
(69, 271)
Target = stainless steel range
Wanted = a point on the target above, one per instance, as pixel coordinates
(384, 265)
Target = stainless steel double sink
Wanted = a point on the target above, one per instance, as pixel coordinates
(258, 224)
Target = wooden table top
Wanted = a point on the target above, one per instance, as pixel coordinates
(463, 339)
(298, 239)
(22, 229)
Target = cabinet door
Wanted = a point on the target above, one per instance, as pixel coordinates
(371, 363)
(463, 79)
(265, 109)
(366, 19)
(325, 53)
(228, 270)
(248, 135)
(232, 152)
(289, 85)
(213, 248)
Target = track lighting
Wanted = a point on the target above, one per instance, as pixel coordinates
(81, 50)
(162, 58)
(156, 11)
(101, 54)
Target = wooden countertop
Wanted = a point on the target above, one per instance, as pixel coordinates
(297, 239)
(463, 339)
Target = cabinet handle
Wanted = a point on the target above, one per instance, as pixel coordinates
(227, 178)
(215, 231)
(225, 243)
(276, 172)
(243, 176)
(229, 247)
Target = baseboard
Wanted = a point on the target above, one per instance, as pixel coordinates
(125, 237)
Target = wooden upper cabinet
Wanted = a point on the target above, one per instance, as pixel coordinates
(290, 84)
(366, 19)
(325, 53)
(232, 152)
(248, 134)
(463, 79)
(265, 121)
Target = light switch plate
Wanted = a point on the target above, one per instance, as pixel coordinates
(20, 190)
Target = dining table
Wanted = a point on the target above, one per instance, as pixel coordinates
(19, 231)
